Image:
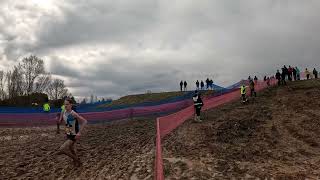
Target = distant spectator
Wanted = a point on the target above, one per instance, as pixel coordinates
(294, 74)
(197, 84)
(315, 73)
(278, 77)
(181, 85)
(185, 85)
(285, 71)
(252, 89)
(307, 73)
(268, 81)
(290, 71)
(298, 73)
(255, 80)
(283, 76)
(265, 78)
(207, 82)
(211, 84)
(202, 85)
(249, 78)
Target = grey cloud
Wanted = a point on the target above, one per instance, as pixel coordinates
(226, 40)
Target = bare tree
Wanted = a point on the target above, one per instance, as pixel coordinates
(32, 67)
(43, 82)
(15, 82)
(57, 89)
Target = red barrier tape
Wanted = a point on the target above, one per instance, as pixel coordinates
(168, 123)
(158, 166)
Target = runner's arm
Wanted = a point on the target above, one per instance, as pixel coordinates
(82, 120)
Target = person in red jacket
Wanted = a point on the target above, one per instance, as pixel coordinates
(290, 71)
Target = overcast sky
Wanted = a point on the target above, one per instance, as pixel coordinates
(113, 48)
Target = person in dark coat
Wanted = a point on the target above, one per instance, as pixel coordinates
(198, 103)
(294, 72)
(202, 85)
(285, 71)
(197, 84)
(252, 89)
(278, 77)
(185, 85)
(283, 76)
(181, 85)
(315, 73)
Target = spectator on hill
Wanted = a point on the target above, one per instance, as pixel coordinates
(211, 84)
(268, 81)
(294, 72)
(185, 85)
(265, 78)
(283, 76)
(298, 73)
(315, 73)
(255, 80)
(198, 103)
(181, 85)
(278, 77)
(307, 73)
(290, 71)
(249, 78)
(197, 84)
(286, 73)
(252, 90)
(207, 82)
(202, 85)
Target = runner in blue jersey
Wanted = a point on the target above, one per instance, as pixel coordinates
(74, 127)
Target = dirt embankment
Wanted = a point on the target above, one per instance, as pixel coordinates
(276, 136)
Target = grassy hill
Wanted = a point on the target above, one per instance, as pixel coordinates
(149, 97)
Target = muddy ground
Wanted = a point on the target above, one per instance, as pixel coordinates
(119, 150)
(275, 137)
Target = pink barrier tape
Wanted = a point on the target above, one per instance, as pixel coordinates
(159, 163)
(168, 123)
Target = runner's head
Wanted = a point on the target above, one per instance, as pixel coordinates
(68, 104)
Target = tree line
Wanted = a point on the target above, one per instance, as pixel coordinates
(30, 77)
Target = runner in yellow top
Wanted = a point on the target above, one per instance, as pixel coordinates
(243, 92)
